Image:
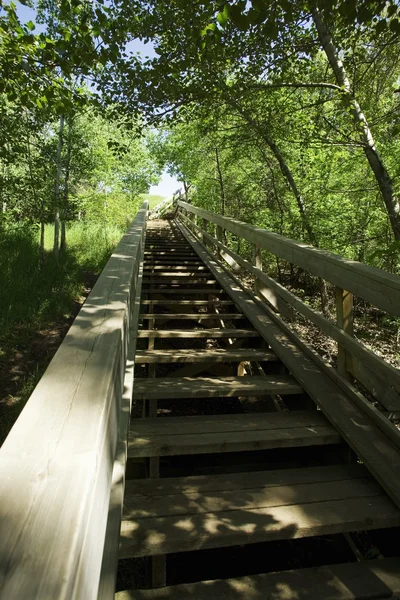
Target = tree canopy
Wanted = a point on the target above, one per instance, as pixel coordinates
(282, 113)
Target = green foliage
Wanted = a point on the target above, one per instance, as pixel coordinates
(33, 297)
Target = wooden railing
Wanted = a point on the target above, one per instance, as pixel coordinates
(62, 465)
(349, 277)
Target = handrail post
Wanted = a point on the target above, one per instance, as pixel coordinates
(258, 263)
(344, 320)
(204, 226)
(219, 232)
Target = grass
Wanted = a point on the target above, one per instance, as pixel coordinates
(37, 304)
(153, 199)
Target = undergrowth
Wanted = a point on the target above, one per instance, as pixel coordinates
(36, 299)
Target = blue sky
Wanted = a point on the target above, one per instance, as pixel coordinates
(168, 184)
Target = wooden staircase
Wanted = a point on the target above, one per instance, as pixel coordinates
(251, 425)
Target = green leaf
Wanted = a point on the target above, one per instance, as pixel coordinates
(30, 25)
(223, 16)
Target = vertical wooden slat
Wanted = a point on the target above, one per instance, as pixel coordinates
(258, 263)
(204, 224)
(344, 319)
(219, 233)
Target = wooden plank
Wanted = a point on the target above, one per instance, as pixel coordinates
(371, 284)
(191, 316)
(175, 271)
(204, 356)
(153, 259)
(184, 291)
(214, 387)
(378, 452)
(378, 377)
(368, 580)
(110, 553)
(242, 481)
(228, 423)
(242, 491)
(197, 333)
(344, 320)
(228, 433)
(56, 464)
(187, 532)
(188, 302)
(151, 506)
(172, 277)
(192, 280)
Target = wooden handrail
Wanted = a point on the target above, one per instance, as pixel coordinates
(377, 376)
(56, 464)
(373, 285)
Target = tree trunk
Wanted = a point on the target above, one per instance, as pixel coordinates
(286, 172)
(186, 188)
(63, 241)
(221, 182)
(57, 188)
(382, 176)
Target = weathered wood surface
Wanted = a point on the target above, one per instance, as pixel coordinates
(173, 269)
(182, 291)
(378, 452)
(370, 580)
(56, 464)
(379, 377)
(371, 284)
(242, 481)
(214, 387)
(184, 519)
(197, 333)
(169, 436)
(191, 316)
(204, 356)
(109, 566)
(188, 302)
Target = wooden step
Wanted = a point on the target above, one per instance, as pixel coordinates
(203, 356)
(170, 252)
(188, 276)
(368, 580)
(193, 316)
(161, 523)
(167, 242)
(196, 280)
(183, 291)
(371, 442)
(197, 333)
(187, 302)
(161, 270)
(214, 387)
(149, 261)
(207, 434)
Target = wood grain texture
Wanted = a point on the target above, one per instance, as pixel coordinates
(379, 377)
(197, 333)
(368, 580)
(214, 387)
(188, 523)
(361, 431)
(371, 284)
(171, 436)
(56, 464)
(201, 356)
